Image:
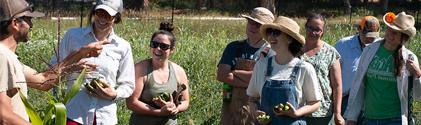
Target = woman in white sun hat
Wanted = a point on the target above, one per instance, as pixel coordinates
(381, 81)
(114, 65)
(283, 78)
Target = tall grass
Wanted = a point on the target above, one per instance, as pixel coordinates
(199, 47)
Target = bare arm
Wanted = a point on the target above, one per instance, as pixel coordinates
(47, 79)
(7, 116)
(336, 85)
(225, 74)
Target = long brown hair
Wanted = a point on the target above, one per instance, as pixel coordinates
(398, 60)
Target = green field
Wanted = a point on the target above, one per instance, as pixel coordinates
(200, 45)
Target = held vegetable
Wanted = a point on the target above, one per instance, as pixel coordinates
(281, 107)
(95, 83)
(163, 96)
(263, 118)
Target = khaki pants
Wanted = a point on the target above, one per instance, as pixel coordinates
(237, 111)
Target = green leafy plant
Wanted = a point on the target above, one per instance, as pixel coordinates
(56, 111)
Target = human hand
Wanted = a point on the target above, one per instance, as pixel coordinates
(339, 120)
(93, 49)
(105, 92)
(167, 108)
(412, 67)
(261, 117)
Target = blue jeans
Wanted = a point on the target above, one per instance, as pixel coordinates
(388, 121)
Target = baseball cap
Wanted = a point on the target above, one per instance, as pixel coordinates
(17, 8)
(369, 26)
(111, 6)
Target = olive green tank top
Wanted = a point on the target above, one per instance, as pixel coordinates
(153, 89)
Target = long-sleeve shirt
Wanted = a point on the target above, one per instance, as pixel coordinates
(114, 64)
(356, 98)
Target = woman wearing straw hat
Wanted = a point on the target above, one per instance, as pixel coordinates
(236, 65)
(285, 75)
(381, 81)
(325, 60)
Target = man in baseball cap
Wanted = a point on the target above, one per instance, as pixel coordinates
(350, 49)
(15, 22)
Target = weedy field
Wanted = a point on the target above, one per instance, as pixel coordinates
(200, 44)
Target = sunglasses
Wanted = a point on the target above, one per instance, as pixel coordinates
(26, 19)
(273, 32)
(162, 46)
(313, 29)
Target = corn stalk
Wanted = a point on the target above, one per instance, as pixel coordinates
(55, 114)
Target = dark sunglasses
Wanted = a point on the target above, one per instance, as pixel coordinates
(313, 29)
(26, 19)
(273, 32)
(162, 46)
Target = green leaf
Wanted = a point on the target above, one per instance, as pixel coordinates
(49, 115)
(33, 116)
(75, 87)
(60, 111)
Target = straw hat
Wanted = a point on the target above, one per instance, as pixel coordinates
(401, 22)
(260, 15)
(286, 25)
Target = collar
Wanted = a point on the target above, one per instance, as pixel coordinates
(7, 50)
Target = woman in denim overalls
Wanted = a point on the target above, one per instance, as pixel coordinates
(283, 78)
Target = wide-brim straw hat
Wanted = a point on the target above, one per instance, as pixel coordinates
(286, 25)
(402, 23)
(260, 15)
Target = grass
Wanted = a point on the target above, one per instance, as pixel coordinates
(199, 47)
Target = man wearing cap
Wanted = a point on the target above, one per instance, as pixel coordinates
(381, 84)
(15, 23)
(114, 66)
(236, 65)
(350, 49)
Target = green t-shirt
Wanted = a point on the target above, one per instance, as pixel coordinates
(381, 92)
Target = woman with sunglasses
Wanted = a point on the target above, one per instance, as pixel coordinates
(325, 60)
(156, 77)
(283, 78)
(114, 66)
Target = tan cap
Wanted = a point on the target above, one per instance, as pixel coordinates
(369, 26)
(260, 15)
(111, 6)
(16, 8)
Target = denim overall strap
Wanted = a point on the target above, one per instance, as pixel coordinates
(269, 67)
(295, 71)
(275, 92)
